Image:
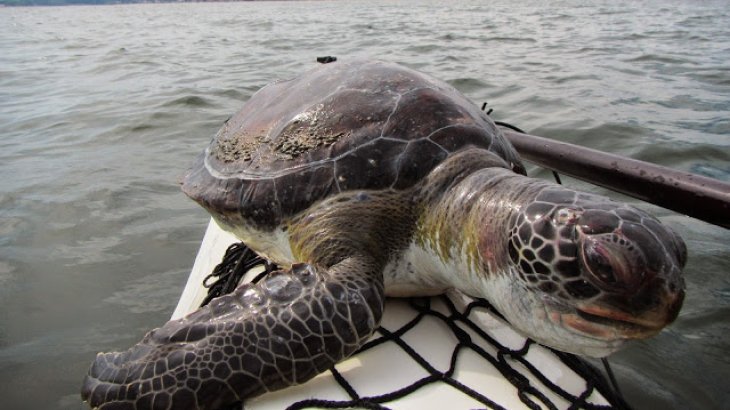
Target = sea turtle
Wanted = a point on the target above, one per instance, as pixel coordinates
(367, 179)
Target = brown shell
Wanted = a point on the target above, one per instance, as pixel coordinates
(342, 126)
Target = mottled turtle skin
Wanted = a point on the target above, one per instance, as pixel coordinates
(367, 179)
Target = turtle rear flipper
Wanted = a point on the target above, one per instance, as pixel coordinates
(283, 331)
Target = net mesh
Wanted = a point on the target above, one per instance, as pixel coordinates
(459, 313)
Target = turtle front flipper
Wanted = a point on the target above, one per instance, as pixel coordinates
(283, 331)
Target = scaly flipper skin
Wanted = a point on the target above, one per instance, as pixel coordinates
(283, 331)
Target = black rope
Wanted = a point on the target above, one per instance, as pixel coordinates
(611, 377)
(226, 276)
(514, 128)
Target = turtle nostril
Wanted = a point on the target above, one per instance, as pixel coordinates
(674, 306)
(675, 286)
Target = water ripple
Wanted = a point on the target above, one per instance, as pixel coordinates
(103, 108)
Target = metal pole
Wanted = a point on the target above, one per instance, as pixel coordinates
(703, 198)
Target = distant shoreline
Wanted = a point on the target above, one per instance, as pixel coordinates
(43, 3)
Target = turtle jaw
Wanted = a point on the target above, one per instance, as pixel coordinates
(610, 325)
(596, 329)
(574, 331)
(549, 320)
(598, 320)
(588, 328)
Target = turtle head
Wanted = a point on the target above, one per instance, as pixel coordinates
(596, 272)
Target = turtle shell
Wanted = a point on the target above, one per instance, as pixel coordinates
(342, 126)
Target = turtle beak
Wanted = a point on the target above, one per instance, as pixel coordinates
(661, 305)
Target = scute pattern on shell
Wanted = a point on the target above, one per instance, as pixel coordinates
(339, 127)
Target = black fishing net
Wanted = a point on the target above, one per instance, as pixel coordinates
(459, 314)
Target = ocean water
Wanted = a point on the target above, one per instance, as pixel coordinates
(103, 108)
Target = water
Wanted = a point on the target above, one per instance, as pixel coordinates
(103, 108)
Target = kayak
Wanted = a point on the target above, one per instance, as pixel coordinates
(449, 351)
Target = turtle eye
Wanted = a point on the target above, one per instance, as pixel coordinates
(599, 265)
(612, 261)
